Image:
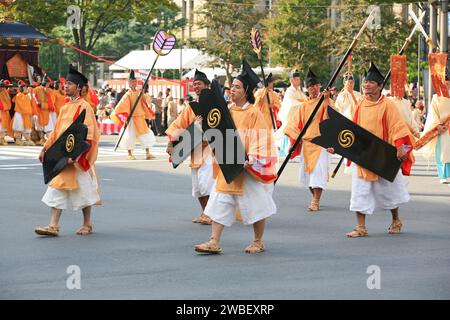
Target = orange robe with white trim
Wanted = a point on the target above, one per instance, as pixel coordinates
(43, 111)
(259, 146)
(297, 120)
(5, 106)
(263, 105)
(60, 100)
(176, 128)
(383, 119)
(67, 179)
(25, 105)
(142, 112)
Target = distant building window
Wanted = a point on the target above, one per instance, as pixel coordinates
(184, 8)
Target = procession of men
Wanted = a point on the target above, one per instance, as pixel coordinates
(240, 149)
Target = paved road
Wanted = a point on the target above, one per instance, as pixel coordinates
(142, 245)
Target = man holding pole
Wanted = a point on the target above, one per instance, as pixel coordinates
(262, 103)
(201, 160)
(379, 115)
(138, 127)
(314, 160)
(76, 185)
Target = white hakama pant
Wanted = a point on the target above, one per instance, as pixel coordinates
(86, 195)
(318, 178)
(18, 123)
(51, 123)
(368, 195)
(202, 179)
(129, 138)
(255, 204)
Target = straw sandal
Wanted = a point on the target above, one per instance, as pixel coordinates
(314, 205)
(395, 227)
(256, 246)
(209, 247)
(85, 229)
(150, 157)
(47, 231)
(203, 219)
(131, 157)
(359, 231)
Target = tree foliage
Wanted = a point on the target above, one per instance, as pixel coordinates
(376, 45)
(229, 24)
(100, 18)
(297, 35)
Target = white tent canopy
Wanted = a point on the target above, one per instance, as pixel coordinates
(143, 60)
(211, 72)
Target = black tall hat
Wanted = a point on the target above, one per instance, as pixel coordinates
(132, 75)
(311, 78)
(76, 77)
(373, 74)
(348, 76)
(248, 77)
(200, 76)
(37, 71)
(294, 74)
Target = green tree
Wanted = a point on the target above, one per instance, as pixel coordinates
(99, 17)
(376, 44)
(297, 35)
(229, 24)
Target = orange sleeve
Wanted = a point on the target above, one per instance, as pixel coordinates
(54, 134)
(183, 121)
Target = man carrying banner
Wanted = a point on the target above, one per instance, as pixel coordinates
(138, 127)
(379, 116)
(261, 102)
(76, 185)
(251, 190)
(201, 161)
(44, 123)
(439, 147)
(314, 160)
(25, 106)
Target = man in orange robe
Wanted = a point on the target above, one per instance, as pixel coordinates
(137, 127)
(45, 119)
(201, 161)
(77, 185)
(251, 191)
(380, 116)
(314, 160)
(90, 96)
(59, 94)
(5, 117)
(24, 109)
(262, 103)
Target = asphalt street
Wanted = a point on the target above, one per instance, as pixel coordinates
(142, 245)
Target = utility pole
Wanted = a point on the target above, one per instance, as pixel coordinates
(433, 37)
(444, 26)
(270, 49)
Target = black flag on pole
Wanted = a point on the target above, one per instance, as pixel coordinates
(71, 144)
(358, 145)
(218, 129)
